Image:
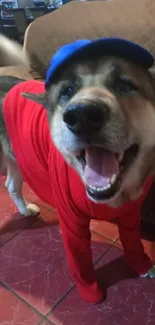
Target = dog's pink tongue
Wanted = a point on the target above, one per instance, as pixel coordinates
(100, 166)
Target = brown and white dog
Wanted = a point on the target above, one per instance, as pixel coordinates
(122, 124)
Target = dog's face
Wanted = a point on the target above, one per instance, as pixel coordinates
(102, 119)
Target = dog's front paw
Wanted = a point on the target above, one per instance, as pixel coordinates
(31, 210)
(150, 274)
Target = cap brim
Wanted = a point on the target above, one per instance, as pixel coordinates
(106, 46)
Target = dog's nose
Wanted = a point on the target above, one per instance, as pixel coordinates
(84, 119)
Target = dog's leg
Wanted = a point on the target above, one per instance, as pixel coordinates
(14, 186)
(129, 230)
(150, 274)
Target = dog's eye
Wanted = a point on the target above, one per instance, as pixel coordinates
(125, 87)
(67, 93)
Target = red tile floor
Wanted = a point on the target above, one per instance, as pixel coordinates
(36, 287)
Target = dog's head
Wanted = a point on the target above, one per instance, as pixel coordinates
(101, 113)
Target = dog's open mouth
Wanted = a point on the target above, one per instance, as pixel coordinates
(103, 170)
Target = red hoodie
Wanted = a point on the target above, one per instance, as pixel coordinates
(55, 182)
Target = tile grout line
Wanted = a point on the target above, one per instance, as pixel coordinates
(74, 286)
(44, 317)
(24, 228)
(24, 301)
(8, 240)
(103, 254)
(60, 300)
(47, 320)
(102, 235)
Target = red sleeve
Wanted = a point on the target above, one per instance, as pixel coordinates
(129, 230)
(76, 236)
(77, 240)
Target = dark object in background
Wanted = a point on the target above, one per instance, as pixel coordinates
(10, 32)
(148, 217)
(66, 1)
(38, 3)
(148, 209)
(37, 12)
(7, 82)
(21, 22)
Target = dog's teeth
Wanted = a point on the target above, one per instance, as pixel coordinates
(113, 179)
(107, 186)
(100, 189)
(93, 188)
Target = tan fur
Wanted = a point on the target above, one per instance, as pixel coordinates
(132, 118)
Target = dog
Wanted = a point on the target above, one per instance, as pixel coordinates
(85, 143)
(11, 53)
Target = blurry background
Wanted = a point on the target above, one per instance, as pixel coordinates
(16, 15)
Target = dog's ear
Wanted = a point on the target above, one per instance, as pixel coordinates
(38, 98)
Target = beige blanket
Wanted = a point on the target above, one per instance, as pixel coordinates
(131, 19)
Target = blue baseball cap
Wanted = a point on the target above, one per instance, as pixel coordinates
(97, 48)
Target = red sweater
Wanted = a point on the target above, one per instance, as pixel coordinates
(55, 182)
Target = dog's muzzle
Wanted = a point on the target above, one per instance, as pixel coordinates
(85, 119)
(102, 169)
